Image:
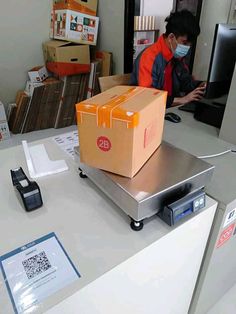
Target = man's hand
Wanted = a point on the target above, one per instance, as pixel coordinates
(203, 84)
(195, 95)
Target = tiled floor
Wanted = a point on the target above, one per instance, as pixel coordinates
(226, 305)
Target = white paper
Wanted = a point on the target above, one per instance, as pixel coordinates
(67, 142)
(36, 271)
(38, 162)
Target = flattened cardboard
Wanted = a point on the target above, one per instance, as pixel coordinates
(18, 113)
(74, 89)
(106, 59)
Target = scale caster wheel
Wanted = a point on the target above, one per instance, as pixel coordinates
(82, 174)
(136, 225)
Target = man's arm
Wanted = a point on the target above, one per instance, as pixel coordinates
(186, 80)
(195, 95)
(192, 88)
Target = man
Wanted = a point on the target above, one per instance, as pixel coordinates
(163, 66)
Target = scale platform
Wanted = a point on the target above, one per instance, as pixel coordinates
(170, 176)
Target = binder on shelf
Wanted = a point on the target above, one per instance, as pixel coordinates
(145, 23)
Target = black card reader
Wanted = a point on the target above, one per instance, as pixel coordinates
(29, 191)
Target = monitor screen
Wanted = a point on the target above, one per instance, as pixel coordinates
(222, 62)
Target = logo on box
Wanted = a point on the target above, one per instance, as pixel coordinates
(104, 143)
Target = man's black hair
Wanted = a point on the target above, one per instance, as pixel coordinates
(183, 23)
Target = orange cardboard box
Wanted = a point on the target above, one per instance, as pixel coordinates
(84, 6)
(121, 128)
(66, 58)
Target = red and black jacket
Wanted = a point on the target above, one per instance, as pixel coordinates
(156, 67)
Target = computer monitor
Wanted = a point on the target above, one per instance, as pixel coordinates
(210, 109)
(222, 61)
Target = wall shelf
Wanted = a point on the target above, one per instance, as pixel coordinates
(140, 37)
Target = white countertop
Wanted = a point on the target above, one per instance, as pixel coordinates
(93, 230)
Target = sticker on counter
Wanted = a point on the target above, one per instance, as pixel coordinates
(35, 271)
(225, 235)
(231, 216)
(67, 142)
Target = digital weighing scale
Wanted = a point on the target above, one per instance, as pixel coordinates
(171, 184)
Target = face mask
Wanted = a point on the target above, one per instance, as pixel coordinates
(181, 51)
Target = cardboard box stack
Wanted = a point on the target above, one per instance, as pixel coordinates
(121, 128)
(75, 22)
(36, 107)
(50, 101)
(43, 106)
(49, 104)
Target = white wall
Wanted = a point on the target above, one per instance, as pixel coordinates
(111, 31)
(159, 8)
(24, 25)
(213, 12)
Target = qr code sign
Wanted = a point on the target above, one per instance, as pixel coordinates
(36, 265)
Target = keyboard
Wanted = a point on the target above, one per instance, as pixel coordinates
(189, 107)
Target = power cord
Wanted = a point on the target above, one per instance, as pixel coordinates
(217, 155)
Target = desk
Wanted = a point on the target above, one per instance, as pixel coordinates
(122, 271)
(218, 272)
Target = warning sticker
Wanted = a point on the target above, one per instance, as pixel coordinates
(225, 235)
(231, 216)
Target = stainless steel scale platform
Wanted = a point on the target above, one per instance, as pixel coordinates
(170, 176)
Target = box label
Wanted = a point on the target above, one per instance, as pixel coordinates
(103, 143)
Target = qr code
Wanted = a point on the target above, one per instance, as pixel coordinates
(36, 265)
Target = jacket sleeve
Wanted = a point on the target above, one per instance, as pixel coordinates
(169, 101)
(187, 82)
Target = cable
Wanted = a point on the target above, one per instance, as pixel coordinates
(217, 155)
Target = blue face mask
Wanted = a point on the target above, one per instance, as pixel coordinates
(181, 51)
